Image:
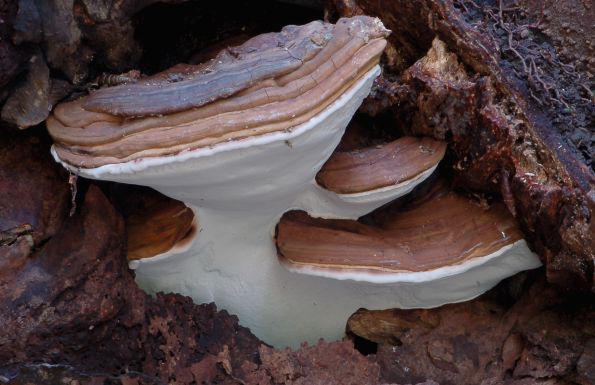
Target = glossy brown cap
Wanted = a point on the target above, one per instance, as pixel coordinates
(156, 224)
(446, 230)
(380, 166)
(270, 83)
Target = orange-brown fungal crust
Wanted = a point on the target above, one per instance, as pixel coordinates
(272, 82)
(158, 227)
(380, 166)
(444, 231)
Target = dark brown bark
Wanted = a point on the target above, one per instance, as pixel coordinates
(506, 119)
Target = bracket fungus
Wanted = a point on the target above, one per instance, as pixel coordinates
(240, 139)
(155, 224)
(442, 248)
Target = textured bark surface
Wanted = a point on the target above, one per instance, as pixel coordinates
(570, 25)
(322, 364)
(541, 337)
(519, 127)
(517, 118)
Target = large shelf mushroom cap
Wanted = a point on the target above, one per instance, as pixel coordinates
(271, 83)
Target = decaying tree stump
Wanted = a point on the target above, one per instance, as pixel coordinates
(508, 85)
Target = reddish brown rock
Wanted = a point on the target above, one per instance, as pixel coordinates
(67, 288)
(321, 364)
(34, 192)
(75, 302)
(543, 335)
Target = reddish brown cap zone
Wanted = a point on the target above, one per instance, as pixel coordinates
(270, 83)
(445, 229)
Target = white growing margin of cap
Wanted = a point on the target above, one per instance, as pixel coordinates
(239, 190)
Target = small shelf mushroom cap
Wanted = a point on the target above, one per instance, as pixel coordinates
(155, 224)
(353, 183)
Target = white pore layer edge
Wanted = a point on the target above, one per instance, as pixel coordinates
(238, 191)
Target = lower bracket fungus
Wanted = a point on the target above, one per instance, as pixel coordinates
(442, 249)
(240, 140)
(155, 224)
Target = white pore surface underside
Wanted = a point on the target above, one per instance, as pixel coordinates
(239, 190)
